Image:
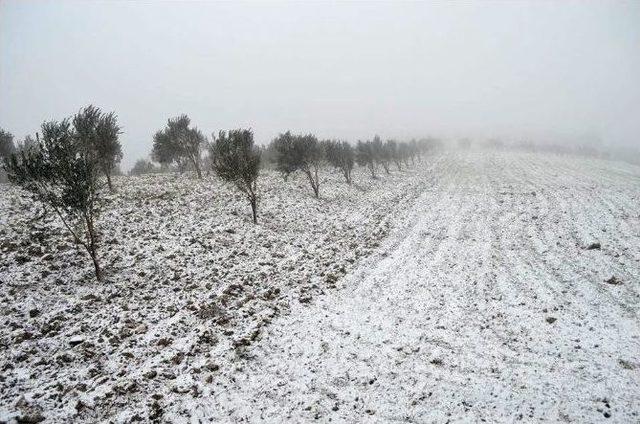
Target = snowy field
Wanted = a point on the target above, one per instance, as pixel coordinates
(476, 286)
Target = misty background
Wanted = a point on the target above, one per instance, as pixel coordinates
(562, 72)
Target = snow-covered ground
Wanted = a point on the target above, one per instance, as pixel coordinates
(191, 281)
(475, 287)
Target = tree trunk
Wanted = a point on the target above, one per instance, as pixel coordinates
(197, 166)
(96, 266)
(372, 169)
(317, 182)
(314, 183)
(347, 175)
(108, 174)
(254, 209)
(92, 247)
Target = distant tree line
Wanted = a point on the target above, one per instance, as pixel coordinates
(304, 153)
(69, 164)
(179, 146)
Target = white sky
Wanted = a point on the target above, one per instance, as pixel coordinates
(541, 70)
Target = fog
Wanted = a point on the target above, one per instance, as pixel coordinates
(542, 71)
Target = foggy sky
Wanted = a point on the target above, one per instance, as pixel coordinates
(541, 70)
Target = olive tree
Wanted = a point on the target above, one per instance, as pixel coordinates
(365, 156)
(300, 152)
(63, 173)
(391, 147)
(99, 132)
(380, 153)
(108, 146)
(143, 166)
(27, 143)
(6, 149)
(178, 143)
(6, 144)
(236, 160)
(282, 150)
(404, 153)
(413, 151)
(340, 155)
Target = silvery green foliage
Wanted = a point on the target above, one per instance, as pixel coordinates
(340, 155)
(62, 171)
(236, 160)
(6, 143)
(365, 156)
(299, 153)
(179, 144)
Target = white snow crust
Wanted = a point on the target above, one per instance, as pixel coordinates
(466, 289)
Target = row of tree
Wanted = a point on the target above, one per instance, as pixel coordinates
(66, 165)
(305, 153)
(180, 145)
